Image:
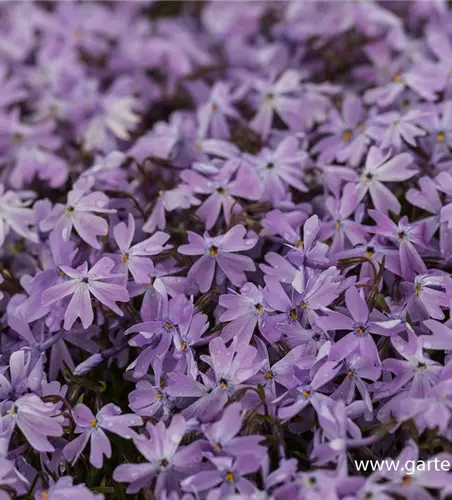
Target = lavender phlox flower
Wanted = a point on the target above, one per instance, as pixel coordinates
(360, 327)
(92, 429)
(217, 255)
(277, 96)
(80, 213)
(341, 433)
(168, 200)
(135, 258)
(390, 130)
(244, 311)
(405, 236)
(223, 437)
(346, 138)
(213, 115)
(412, 485)
(356, 369)
(114, 117)
(428, 199)
(280, 168)
(400, 76)
(223, 190)
(160, 282)
(282, 372)
(438, 125)
(149, 399)
(379, 169)
(297, 398)
(425, 297)
(64, 488)
(166, 459)
(417, 372)
(36, 420)
(227, 476)
(341, 228)
(81, 284)
(10, 477)
(15, 215)
(24, 368)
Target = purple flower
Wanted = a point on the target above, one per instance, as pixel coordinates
(136, 258)
(80, 285)
(37, 421)
(227, 477)
(347, 138)
(92, 429)
(64, 488)
(380, 169)
(222, 435)
(223, 191)
(79, 212)
(15, 216)
(360, 327)
(392, 128)
(244, 311)
(277, 97)
(280, 168)
(405, 236)
(166, 459)
(218, 251)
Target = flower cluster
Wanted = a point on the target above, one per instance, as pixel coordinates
(225, 249)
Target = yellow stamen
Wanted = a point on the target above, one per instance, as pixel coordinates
(269, 98)
(303, 305)
(347, 135)
(397, 79)
(183, 346)
(293, 314)
(230, 477)
(306, 394)
(362, 127)
(44, 495)
(259, 308)
(218, 447)
(125, 258)
(406, 480)
(213, 251)
(418, 289)
(93, 422)
(168, 325)
(350, 373)
(300, 243)
(223, 384)
(159, 395)
(268, 375)
(69, 211)
(17, 138)
(338, 224)
(440, 136)
(360, 330)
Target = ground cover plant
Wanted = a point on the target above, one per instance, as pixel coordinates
(225, 250)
